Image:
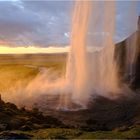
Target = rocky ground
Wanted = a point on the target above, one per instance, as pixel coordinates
(13, 118)
(102, 115)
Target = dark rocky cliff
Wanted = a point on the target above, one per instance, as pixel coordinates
(137, 76)
(120, 56)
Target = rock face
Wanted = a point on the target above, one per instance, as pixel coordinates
(13, 118)
(120, 56)
(137, 76)
(11, 135)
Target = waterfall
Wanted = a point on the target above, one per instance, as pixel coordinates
(92, 72)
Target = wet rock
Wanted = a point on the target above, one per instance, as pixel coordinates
(95, 125)
(12, 135)
(25, 128)
(121, 129)
(3, 126)
(132, 79)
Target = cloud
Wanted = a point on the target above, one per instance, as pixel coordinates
(45, 23)
(34, 23)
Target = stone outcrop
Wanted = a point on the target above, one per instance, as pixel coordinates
(13, 118)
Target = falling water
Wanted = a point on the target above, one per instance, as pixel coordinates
(77, 69)
(92, 72)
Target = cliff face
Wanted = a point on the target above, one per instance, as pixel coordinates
(133, 79)
(13, 118)
(137, 76)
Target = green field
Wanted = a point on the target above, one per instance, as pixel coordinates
(23, 68)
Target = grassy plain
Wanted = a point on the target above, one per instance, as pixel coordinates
(24, 67)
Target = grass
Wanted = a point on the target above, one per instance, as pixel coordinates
(13, 74)
(14, 68)
(61, 133)
(130, 134)
(57, 133)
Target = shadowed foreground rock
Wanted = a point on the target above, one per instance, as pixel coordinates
(102, 114)
(13, 118)
(12, 135)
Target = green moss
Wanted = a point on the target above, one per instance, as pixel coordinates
(131, 134)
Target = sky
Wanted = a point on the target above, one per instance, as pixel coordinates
(44, 24)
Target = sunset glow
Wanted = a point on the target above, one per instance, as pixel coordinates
(32, 49)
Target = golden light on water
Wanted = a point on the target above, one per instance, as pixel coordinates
(31, 49)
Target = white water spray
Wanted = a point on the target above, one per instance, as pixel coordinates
(87, 72)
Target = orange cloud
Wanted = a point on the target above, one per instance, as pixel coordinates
(2, 42)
